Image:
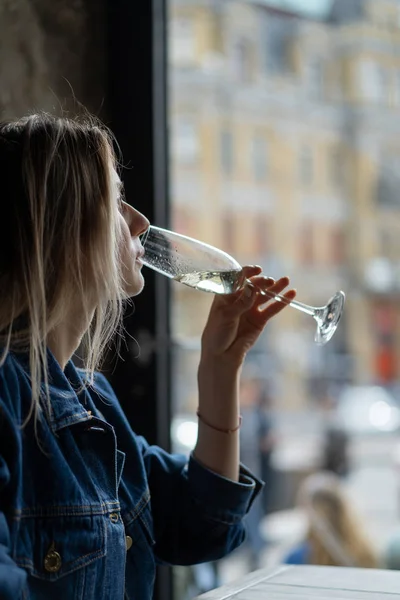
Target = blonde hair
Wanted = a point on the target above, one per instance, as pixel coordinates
(335, 535)
(59, 234)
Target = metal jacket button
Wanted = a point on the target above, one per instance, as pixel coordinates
(52, 560)
(128, 542)
(114, 517)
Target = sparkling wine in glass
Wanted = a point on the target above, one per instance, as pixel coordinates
(209, 269)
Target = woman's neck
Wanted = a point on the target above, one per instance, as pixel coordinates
(64, 340)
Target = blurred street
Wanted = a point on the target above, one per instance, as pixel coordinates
(373, 484)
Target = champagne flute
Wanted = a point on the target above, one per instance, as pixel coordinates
(209, 269)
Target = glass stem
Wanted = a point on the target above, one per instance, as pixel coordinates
(309, 310)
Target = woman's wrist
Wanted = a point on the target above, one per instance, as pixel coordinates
(220, 366)
(219, 394)
(219, 429)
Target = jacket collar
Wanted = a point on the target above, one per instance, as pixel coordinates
(70, 400)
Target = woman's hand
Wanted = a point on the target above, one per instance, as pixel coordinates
(234, 324)
(236, 321)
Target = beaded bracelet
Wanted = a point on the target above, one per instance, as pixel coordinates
(218, 428)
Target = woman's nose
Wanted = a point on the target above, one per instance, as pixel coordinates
(138, 223)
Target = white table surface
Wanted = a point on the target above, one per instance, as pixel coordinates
(311, 583)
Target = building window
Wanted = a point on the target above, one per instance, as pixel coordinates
(242, 60)
(276, 32)
(374, 82)
(226, 152)
(388, 183)
(315, 78)
(336, 167)
(185, 142)
(259, 158)
(306, 166)
(384, 321)
(182, 46)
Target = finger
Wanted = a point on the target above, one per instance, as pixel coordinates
(251, 270)
(243, 301)
(248, 272)
(268, 288)
(261, 282)
(276, 307)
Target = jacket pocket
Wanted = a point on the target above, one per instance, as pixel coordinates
(140, 559)
(139, 521)
(50, 548)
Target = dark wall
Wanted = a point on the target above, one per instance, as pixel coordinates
(50, 51)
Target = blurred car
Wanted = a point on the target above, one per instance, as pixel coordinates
(368, 410)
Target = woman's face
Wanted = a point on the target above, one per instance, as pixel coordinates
(132, 224)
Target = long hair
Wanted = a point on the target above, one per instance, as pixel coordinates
(335, 534)
(58, 238)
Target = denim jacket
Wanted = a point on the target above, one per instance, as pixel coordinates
(88, 508)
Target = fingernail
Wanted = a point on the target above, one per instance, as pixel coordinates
(248, 290)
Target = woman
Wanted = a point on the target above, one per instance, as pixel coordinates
(334, 537)
(86, 506)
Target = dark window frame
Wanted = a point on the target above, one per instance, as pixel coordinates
(137, 112)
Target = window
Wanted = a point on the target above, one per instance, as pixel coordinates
(388, 182)
(283, 173)
(373, 82)
(226, 152)
(185, 142)
(182, 48)
(337, 163)
(384, 319)
(315, 78)
(259, 158)
(276, 33)
(306, 167)
(242, 60)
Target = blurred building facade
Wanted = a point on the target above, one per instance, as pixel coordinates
(284, 152)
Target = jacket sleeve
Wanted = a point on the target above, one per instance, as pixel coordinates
(12, 578)
(197, 513)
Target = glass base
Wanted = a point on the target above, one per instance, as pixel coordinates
(328, 318)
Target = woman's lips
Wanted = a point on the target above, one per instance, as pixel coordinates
(139, 254)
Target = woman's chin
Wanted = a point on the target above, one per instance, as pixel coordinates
(135, 286)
